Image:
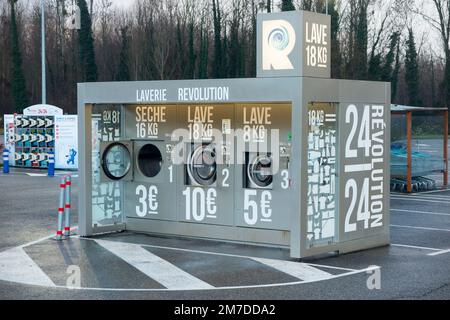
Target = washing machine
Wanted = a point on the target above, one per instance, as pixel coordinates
(258, 171)
(201, 165)
(263, 169)
(206, 176)
(116, 161)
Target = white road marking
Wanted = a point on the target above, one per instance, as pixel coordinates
(435, 191)
(423, 212)
(226, 254)
(439, 252)
(271, 285)
(414, 247)
(17, 266)
(36, 241)
(44, 281)
(298, 270)
(45, 238)
(434, 197)
(426, 196)
(417, 195)
(153, 266)
(331, 267)
(420, 228)
(421, 200)
(45, 174)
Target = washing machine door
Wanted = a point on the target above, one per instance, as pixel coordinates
(259, 172)
(201, 166)
(116, 161)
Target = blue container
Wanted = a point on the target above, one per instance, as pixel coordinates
(6, 161)
(51, 164)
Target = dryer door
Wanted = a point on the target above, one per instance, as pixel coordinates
(116, 161)
(149, 161)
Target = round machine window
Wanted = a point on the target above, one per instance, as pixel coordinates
(260, 171)
(116, 161)
(202, 165)
(150, 160)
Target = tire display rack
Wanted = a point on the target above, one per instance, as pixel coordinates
(34, 140)
(39, 131)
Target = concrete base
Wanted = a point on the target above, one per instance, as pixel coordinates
(216, 232)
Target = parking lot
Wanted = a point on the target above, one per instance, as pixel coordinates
(134, 266)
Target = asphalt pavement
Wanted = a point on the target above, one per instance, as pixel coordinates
(415, 266)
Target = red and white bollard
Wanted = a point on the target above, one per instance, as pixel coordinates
(62, 186)
(67, 206)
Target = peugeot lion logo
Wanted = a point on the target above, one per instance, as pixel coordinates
(278, 43)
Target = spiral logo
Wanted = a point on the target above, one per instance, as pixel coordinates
(279, 38)
(278, 42)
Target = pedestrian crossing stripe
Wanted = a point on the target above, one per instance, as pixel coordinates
(301, 271)
(18, 267)
(167, 274)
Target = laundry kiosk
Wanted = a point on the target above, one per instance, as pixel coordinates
(291, 158)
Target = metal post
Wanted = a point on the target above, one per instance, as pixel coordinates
(326, 7)
(409, 151)
(446, 148)
(62, 186)
(67, 206)
(43, 75)
(51, 164)
(6, 161)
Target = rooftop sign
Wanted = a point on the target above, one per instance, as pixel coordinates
(294, 44)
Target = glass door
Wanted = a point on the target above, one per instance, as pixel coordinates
(107, 195)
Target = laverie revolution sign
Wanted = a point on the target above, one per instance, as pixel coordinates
(185, 94)
(291, 158)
